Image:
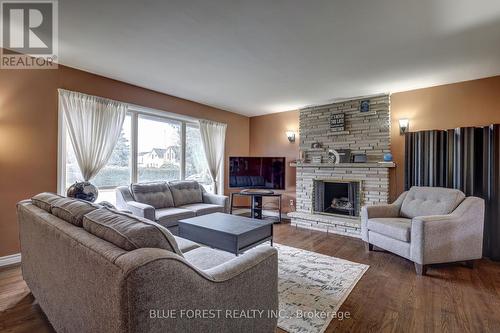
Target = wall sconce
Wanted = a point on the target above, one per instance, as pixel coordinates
(291, 136)
(404, 125)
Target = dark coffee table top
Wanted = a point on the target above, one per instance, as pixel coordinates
(226, 223)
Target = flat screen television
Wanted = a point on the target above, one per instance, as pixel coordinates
(257, 172)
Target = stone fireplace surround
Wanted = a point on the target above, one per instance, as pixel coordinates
(367, 133)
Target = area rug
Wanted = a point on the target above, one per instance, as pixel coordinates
(312, 287)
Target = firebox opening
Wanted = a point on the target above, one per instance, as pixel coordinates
(339, 198)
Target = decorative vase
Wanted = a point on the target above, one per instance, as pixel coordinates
(388, 157)
(84, 191)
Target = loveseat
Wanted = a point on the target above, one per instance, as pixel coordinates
(427, 225)
(168, 202)
(94, 269)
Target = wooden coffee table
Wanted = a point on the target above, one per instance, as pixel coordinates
(230, 233)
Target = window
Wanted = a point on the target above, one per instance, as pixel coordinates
(153, 146)
(159, 149)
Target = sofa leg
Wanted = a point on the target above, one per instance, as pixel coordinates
(421, 269)
(368, 246)
(469, 264)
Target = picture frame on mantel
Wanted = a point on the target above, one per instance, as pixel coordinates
(345, 155)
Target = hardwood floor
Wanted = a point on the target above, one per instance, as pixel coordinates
(390, 297)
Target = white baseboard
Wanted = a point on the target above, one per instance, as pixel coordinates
(10, 260)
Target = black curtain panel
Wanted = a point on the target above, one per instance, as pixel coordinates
(426, 159)
(491, 186)
(467, 159)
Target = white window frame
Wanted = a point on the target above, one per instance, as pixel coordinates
(134, 111)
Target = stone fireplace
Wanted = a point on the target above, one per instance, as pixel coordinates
(330, 196)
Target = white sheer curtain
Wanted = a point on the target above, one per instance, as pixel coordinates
(94, 125)
(213, 139)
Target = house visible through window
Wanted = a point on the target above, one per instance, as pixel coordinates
(165, 149)
(159, 146)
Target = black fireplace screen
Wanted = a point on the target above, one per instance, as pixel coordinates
(465, 158)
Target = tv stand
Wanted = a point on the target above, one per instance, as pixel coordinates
(256, 191)
(256, 196)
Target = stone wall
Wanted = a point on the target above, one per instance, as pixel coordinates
(367, 133)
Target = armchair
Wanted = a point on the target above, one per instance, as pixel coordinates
(427, 225)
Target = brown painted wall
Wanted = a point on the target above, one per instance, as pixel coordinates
(268, 138)
(28, 131)
(470, 103)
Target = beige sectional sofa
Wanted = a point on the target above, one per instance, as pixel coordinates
(169, 202)
(93, 269)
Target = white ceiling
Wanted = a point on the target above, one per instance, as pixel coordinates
(261, 56)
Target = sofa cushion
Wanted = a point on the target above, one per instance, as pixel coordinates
(205, 258)
(168, 217)
(45, 200)
(185, 245)
(397, 228)
(203, 208)
(127, 231)
(257, 181)
(243, 181)
(426, 201)
(185, 192)
(390, 244)
(156, 194)
(72, 210)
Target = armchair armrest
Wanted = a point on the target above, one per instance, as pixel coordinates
(220, 200)
(142, 210)
(388, 210)
(447, 238)
(125, 201)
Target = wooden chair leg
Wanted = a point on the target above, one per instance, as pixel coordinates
(420, 269)
(368, 246)
(469, 264)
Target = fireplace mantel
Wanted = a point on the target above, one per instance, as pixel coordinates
(344, 165)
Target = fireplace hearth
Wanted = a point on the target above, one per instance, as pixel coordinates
(336, 197)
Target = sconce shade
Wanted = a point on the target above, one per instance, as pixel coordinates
(404, 124)
(290, 135)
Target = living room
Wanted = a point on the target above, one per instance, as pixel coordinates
(252, 166)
